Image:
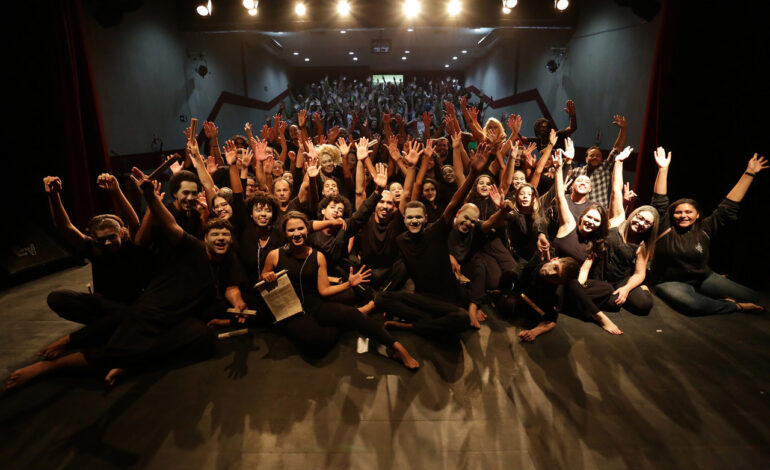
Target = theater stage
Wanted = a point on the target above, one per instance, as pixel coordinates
(673, 392)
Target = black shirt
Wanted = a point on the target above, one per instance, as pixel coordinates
(190, 222)
(378, 240)
(123, 275)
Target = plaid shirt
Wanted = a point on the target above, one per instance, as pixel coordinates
(601, 179)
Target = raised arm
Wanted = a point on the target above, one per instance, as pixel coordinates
(620, 141)
(426, 156)
(661, 180)
(159, 212)
(756, 164)
(470, 115)
(617, 213)
(479, 161)
(545, 157)
(572, 113)
(566, 220)
(53, 186)
(203, 174)
(109, 183)
(458, 151)
(212, 132)
(503, 208)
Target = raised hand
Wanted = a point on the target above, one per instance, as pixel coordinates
(619, 121)
(321, 139)
(557, 159)
(457, 139)
(311, 165)
(380, 176)
(480, 157)
(142, 182)
(624, 154)
(265, 132)
(463, 102)
(569, 150)
(756, 164)
(428, 152)
(282, 126)
(426, 119)
(362, 149)
(211, 165)
(292, 156)
(333, 133)
(302, 118)
(156, 189)
(661, 158)
(247, 129)
(359, 277)
(108, 182)
(497, 197)
(210, 129)
(311, 151)
(260, 148)
(412, 152)
(474, 113)
(552, 137)
(514, 123)
(52, 184)
(343, 146)
(570, 108)
(188, 133)
(628, 193)
(268, 164)
(231, 152)
(245, 158)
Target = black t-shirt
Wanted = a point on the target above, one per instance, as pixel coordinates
(464, 245)
(378, 241)
(190, 222)
(523, 232)
(426, 256)
(123, 275)
(617, 262)
(541, 292)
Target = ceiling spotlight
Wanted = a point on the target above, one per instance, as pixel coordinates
(557, 57)
(464, 51)
(307, 59)
(351, 53)
(342, 31)
(411, 8)
(453, 7)
(510, 4)
(300, 9)
(204, 9)
(410, 29)
(506, 10)
(253, 11)
(407, 52)
(249, 4)
(343, 7)
(446, 66)
(403, 57)
(454, 57)
(355, 58)
(295, 53)
(561, 5)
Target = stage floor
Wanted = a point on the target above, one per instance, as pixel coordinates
(672, 392)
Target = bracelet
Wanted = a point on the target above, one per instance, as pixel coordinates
(749, 173)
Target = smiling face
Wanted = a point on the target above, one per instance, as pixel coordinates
(262, 214)
(222, 208)
(327, 163)
(429, 191)
(385, 208)
(330, 188)
(482, 186)
(396, 189)
(524, 197)
(218, 240)
(448, 173)
(593, 157)
(277, 168)
(685, 215)
(441, 148)
(414, 218)
(187, 196)
(296, 232)
(590, 221)
(251, 186)
(519, 178)
(642, 222)
(466, 217)
(582, 185)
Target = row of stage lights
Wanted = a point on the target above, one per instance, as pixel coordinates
(411, 8)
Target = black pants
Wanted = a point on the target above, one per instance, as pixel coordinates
(638, 301)
(583, 302)
(346, 317)
(389, 278)
(81, 307)
(428, 315)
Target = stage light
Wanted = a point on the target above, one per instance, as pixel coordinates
(204, 9)
(410, 29)
(343, 7)
(411, 8)
(403, 57)
(300, 9)
(355, 58)
(307, 59)
(295, 53)
(407, 52)
(253, 12)
(351, 53)
(510, 4)
(454, 57)
(561, 5)
(446, 66)
(249, 4)
(342, 31)
(464, 51)
(453, 7)
(506, 10)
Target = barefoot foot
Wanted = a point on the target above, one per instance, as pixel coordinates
(55, 349)
(113, 376)
(23, 376)
(607, 324)
(400, 353)
(749, 307)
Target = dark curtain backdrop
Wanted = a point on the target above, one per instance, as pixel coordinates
(708, 104)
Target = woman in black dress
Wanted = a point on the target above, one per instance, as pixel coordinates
(307, 271)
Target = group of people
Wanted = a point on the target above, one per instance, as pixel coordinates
(430, 228)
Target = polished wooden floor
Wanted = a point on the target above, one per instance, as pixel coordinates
(672, 392)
